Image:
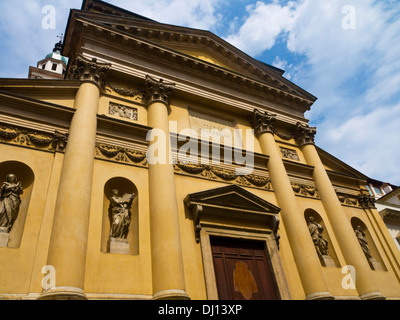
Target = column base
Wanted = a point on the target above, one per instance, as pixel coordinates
(63, 293)
(4, 237)
(373, 296)
(320, 296)
(171, 295)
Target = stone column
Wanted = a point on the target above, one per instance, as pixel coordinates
(167, 262)
(68, 243)
(303, 249)
(341, 225)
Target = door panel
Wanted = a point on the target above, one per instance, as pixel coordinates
(242, 270)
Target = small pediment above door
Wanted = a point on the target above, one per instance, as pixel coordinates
(234, 205)
(231, 197)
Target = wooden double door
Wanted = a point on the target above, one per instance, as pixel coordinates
(242, 270)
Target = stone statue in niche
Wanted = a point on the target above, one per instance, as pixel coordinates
(10, 201)
(120, 214)
(362, 239)
(321, 244)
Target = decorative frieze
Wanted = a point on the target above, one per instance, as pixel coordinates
(88, 70)
(117, 154)
(289, 154)
(366, 201)
(214, 173)
(137, 95)
(348, 200)
(305, 190)
(56, 141)
(361, 200)
(119, 110)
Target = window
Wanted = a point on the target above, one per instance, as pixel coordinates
(369, 190)
(54, 67)
(378, 190)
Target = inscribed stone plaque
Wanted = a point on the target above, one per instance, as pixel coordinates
(219, 129)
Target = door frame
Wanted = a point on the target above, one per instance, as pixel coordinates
(272, 255)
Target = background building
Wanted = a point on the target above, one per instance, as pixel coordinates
(86, 214)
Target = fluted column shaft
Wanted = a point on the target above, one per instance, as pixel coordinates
(304, 253)
(341, 225)
(167, 262)
(68, 243)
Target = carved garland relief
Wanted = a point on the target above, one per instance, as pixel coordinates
(30, 138)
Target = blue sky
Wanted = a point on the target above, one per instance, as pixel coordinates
(345, 52)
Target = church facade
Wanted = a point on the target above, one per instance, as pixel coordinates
(168, 164)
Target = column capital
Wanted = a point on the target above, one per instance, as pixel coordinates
(304, 134)
(158, 91)
(262, 122)
(89, 70)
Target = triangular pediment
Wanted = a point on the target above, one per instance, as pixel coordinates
(231, 197)
(229, 204)
(200, 45)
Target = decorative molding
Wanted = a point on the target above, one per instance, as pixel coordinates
(304, 134)
(305, 190)
(122, 111)
(266, 85)
(366, 201)
(118, 154)
(138, 95)
(56, 141)
(262, 122)
(231, 202)
(214, 173)
(157, 91)
(347, 199)
(284, 135)
(88, 70)
(289, 154)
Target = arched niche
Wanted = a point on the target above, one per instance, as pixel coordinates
(330, 259)
(26, 177)
(124, 186)
(368, 245)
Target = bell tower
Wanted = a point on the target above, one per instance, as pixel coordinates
(52, 67)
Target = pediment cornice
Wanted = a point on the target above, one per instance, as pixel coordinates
(273, 88)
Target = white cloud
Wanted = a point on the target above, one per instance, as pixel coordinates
(264, 24)
(368, 142)
(199, 14)
(355, 73)
(23, 39)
